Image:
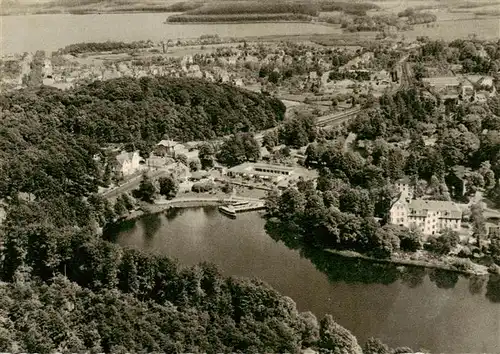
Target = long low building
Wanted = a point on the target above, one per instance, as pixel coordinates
(271, 172)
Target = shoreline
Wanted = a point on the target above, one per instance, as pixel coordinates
(235, 22)
(181, 203)
(408, 262)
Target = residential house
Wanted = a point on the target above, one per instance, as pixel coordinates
(156, 161)
(47, 70)
(359, 61)
(429, 216)
(405, 188)
(456, 68)
(169, 147)
(313, 75)
(264, 153)
(238, 82)
(492, 229)
(219, 168)
(484, 81)
(199, 175)
(128, 163)
(456, 181)
(180, 171)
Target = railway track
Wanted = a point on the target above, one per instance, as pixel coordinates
(405, 76)
(337, 117)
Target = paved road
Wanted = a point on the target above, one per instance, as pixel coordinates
(132, 184)
(205, 199)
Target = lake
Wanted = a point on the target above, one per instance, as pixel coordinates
(434, 310)
(51, 32)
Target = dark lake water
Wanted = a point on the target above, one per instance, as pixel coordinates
(434, 310)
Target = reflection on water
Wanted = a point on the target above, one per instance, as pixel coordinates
(493, 288)
(152, 224)
(417, 307)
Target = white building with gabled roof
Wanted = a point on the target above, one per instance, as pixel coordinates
(128, 162)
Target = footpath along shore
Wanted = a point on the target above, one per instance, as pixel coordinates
(187, 202)
(477, 269)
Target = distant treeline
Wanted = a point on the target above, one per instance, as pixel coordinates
(183, 6)
(108, 46)
(415, 17)
(281, 10)
(241, 8)
(369, 23)
(421, 17)
(348, 7)
(239, 18)
(355, 75)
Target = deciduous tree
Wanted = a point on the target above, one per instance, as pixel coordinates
(169, 186)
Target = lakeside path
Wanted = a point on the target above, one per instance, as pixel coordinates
(478, 269)
(187, 202)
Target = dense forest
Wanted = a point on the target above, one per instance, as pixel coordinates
(243, 11)
(86, 47)
(67, 289)
(122, 300)
(49, 137)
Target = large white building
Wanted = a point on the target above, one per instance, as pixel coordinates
(128, 163)
(430, 216)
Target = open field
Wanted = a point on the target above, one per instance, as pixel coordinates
(488, 28)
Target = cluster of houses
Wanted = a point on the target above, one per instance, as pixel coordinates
(67, 77)
(129, 163)
(472, 87)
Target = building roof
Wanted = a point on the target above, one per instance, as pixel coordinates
(199, 174)
(249, 166)
(404, 180)
(481, 80)
(264, 152)
(156, 161)
(124, 156)
(460, 171)
(168, 143)
(448, 210)
(442, 81)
